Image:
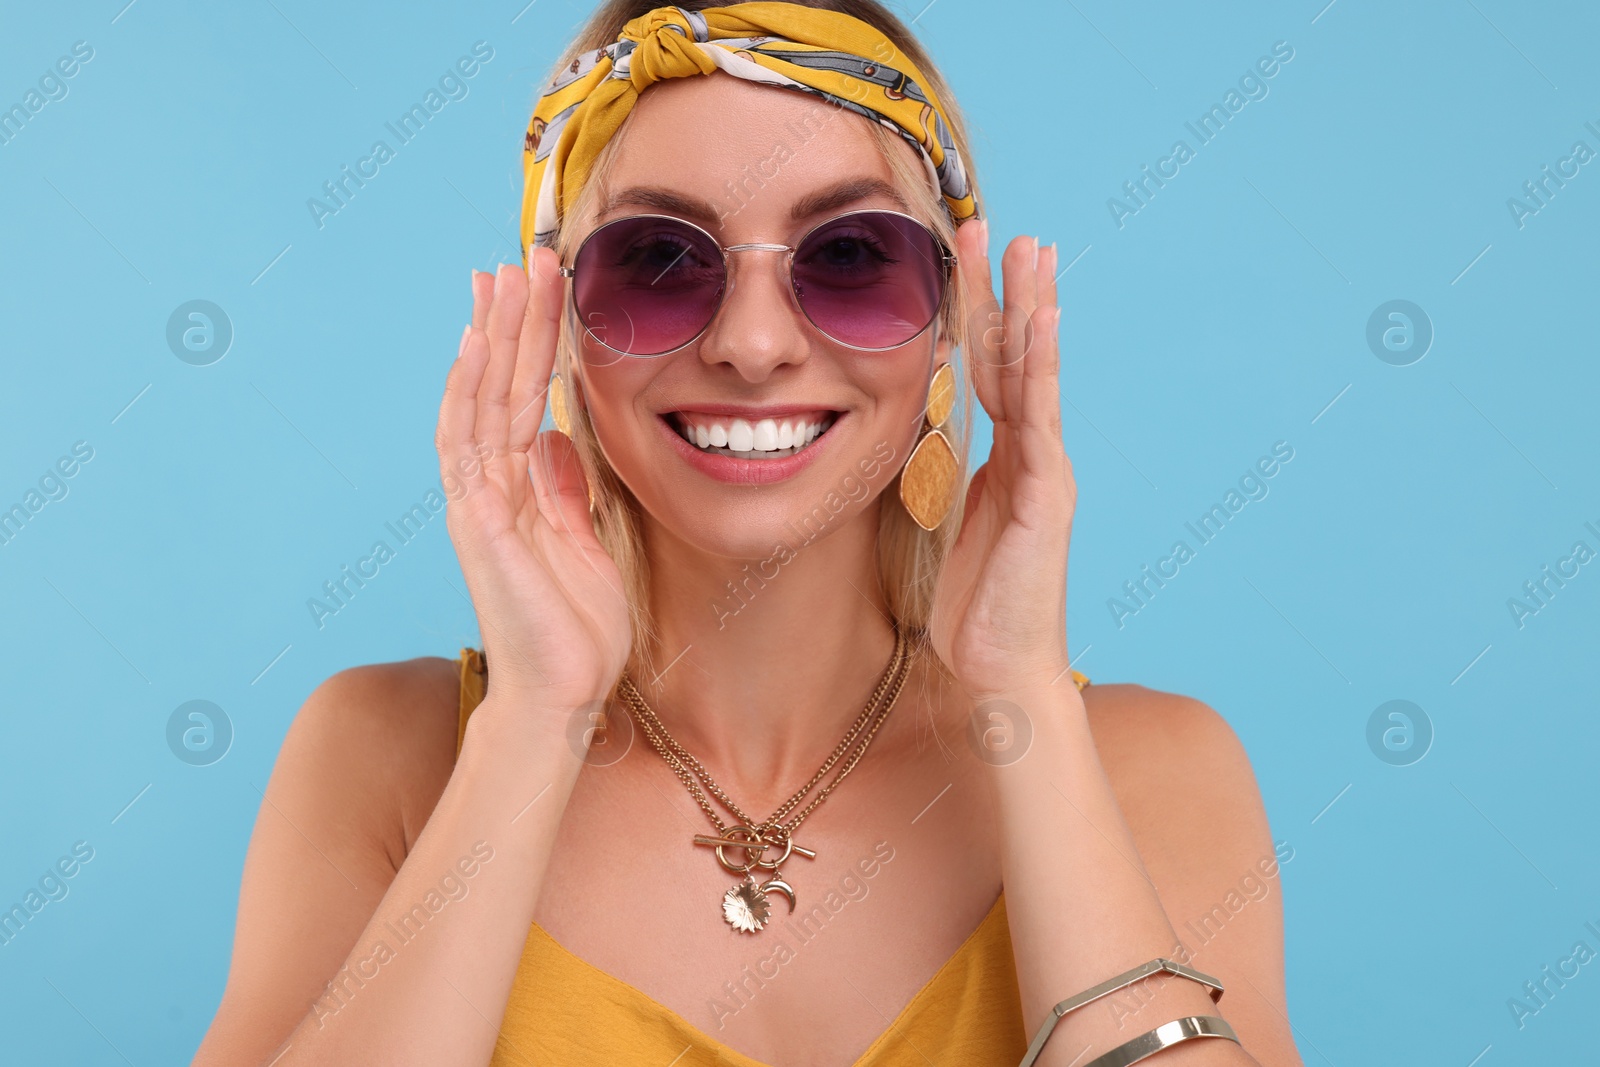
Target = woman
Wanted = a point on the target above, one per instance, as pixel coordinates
(725, 579)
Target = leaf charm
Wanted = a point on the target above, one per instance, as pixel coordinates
(745, 907)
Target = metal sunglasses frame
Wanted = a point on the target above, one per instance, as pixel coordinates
(947, 265)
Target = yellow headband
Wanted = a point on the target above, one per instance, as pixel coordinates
(833, 56)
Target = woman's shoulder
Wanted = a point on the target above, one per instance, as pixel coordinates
(1184, 782)
(384, 736)
(1125, 710)
(397, 708)
(1166, 752)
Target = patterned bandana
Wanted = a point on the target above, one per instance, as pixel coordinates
(833, 56)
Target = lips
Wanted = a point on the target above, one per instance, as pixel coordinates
(749, 446)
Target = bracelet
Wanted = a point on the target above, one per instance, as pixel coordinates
(1164, 1036)
(1159, 965)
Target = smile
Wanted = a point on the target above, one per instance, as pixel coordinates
(752, 439)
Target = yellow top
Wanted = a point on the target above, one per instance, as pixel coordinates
(566, 1011)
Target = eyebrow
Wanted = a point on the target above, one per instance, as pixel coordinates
(814, 203)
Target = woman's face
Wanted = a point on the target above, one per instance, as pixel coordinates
(750, 157)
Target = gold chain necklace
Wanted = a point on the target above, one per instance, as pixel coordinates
(745, 905)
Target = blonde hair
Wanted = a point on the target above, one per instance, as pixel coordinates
(909, 558)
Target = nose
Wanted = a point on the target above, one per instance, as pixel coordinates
(759, 326)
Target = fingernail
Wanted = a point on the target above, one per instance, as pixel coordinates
(983, 232)
(466, 331)
(1050, 258)
(1035, 253)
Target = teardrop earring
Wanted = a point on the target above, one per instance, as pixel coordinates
(928, 480)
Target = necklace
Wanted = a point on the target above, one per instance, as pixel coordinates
(745, 906)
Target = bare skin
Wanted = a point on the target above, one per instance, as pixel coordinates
(636, 935)
(369, 805)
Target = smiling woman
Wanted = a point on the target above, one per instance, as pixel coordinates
(757, 298)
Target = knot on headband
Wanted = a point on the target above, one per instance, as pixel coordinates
(664, 46)
(830, 55)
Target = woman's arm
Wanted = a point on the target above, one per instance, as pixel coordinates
(418, 966)
(1082, 904)
(329, 836)
(341, 958)
(1131, 833)
(1213, 860)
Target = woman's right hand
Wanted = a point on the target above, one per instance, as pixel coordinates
(551, 608)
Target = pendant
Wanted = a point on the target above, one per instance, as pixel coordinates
(745, 906)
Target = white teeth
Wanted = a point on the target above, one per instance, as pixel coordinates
(765, 436)
(763, 439)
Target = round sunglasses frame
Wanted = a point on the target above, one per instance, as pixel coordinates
(947, 272)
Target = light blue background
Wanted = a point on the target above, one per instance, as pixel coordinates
(1229, 313)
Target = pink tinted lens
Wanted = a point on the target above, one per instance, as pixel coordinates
(870, 279)
(646, 285)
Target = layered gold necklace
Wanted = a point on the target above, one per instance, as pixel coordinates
(745, 905)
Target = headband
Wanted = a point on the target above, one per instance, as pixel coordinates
(836, 57)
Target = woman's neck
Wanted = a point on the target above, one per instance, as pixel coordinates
(762, 666)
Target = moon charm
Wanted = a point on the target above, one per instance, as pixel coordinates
(778, 885)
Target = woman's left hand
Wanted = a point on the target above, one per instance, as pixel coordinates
(999, 619)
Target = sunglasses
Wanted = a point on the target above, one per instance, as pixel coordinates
(871, 280)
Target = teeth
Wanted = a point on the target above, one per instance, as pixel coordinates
(763, 439)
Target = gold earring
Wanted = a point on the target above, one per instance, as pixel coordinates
(558, 405)
(928, 480)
